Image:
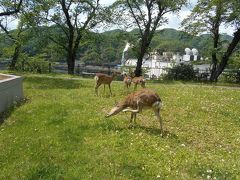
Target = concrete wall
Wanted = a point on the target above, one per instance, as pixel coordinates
(11, 90)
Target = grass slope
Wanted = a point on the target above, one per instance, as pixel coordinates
(60, 132)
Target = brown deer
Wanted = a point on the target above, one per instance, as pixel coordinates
(104, 79)
(127, 81)
(136, 101)
(138, 80)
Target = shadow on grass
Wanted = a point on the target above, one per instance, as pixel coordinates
(46, 171)
(54, 83)
(4, 115)
(111, 126)
(157, 132)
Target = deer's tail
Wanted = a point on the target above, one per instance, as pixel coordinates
(96, 78)
(158, 104)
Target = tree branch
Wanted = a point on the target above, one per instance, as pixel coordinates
(7, 32)
(135, 17)
(14, 11)
(58, 43)
(65, 11)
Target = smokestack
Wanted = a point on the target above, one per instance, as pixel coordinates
(126, 47)
(123, 54)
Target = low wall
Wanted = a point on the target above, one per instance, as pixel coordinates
(11, 90)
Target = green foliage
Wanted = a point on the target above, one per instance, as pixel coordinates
(36, 64)
(213, 14)
(234, 62)
(230, 76)
(183, 72)
(108, 46)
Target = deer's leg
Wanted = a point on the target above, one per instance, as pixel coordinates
(157, 113)
(126, 85)
(131, 120)
(135, 86)
(96, 88)
(109, 85)
(134, 117)
(104, 89)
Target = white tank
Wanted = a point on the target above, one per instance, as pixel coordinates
(195, 52)
(188, 51)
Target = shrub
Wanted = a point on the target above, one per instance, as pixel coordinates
(183, 72)
(238, 76)
(232, 76)
(34, 64)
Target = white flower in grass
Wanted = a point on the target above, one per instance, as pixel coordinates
(209, 171)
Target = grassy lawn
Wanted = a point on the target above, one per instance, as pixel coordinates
(60, 132)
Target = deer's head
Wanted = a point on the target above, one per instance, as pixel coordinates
(116, 109)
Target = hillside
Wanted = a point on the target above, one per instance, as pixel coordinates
(105, 47)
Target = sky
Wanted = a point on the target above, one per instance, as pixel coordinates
(174, 20)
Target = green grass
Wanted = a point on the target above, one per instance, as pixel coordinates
(60, 132)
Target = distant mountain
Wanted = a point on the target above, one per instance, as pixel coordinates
(108, 46)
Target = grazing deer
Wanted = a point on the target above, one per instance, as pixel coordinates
(138, 80)
(104, 79)
(136, 101)
(127, 80)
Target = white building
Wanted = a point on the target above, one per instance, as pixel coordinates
(157, 64)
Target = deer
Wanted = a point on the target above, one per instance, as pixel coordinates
(138, 80)
(127, 81)
(104, 79)
(136, 101)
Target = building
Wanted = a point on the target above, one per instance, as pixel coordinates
(156, 64)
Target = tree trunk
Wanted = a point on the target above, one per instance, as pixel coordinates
(70, 52)
(226, 56)
(71, 62)
(214, 67)
(214, 54)
(144, 46)
(138, 70)
(15, 57)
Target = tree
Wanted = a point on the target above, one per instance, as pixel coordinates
(73, 19)
(21, 12)
(147, 16)
(208, 16)
(10, 7)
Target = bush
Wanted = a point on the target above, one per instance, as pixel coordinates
(230, 76)
(238, 76)
(183, 72)
(34, 64)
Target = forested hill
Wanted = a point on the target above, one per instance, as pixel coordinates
(165, 40)
(106, 47)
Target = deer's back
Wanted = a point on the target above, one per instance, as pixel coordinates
(138, 79)
(145, 98)
(103, 78)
